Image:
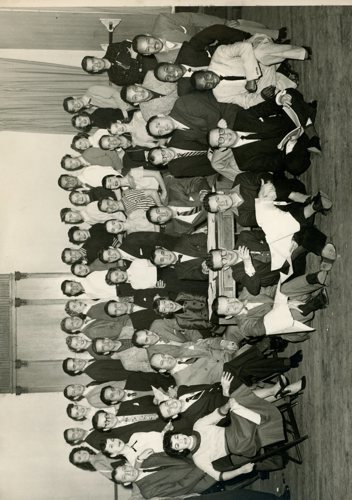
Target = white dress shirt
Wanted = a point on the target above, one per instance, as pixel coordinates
(142, 274)
(94, 174)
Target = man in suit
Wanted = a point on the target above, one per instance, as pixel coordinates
(100, 371)
(187, 192)
(184, 266)
(180, 161)
(166, 476)
(176, 219)
(195, 113)
(168, 330)
(131, 357)
(92, 156)
(140, 316)
(239, 72)
(76, 435)
(265, 142)
(123, 65)
(91, 392)
(250, 261)
(149, 102)
(309, 290)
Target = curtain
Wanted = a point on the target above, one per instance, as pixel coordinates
(31, 95)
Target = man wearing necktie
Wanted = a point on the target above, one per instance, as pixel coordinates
(183, 159)
(186, 267)
(176, 219)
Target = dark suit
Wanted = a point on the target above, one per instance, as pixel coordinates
(104, 117)
(124, 69)
(97, 156)
(268, 122)
(195, 312)
(179, 476)
(96, 311)
(184, 277)
(106, 370)
(141, 381)
(179, 226)
(98, 240)
(185, 192)
(103, 328)
(168, 330)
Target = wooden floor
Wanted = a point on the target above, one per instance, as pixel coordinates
(325, 409)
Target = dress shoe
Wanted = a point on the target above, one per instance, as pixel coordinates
(309, 52)
(321, 203)
(328, 257)
(314, 145)
(296, 358)
(320, 301)
(295, 388)
(286, 494)
(282, 34)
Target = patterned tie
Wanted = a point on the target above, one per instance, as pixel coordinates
(232, 78)
(188, 361)
(155, 469)
(195, 396)
(190, 153)
(191, 211)
(261, 256)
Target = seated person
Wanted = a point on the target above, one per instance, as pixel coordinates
(180, 161)
(176, 219)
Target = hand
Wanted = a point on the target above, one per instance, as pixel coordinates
(205, 268)
(145, 454)
(283, 99)
(164, 197)
(172, 392)
(168, 427)
(268, 93)
(251, 86)
(222, 123)
(267, 191)
(225, 381)
(160, 284)
(232, 23)
(246, 469)
(230, 345)
(244, 254)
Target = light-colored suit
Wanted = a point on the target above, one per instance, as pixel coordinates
(169, 330)
(93, 396)
(205, 370)
(253, 59)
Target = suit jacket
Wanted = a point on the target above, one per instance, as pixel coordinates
(158, 106)
(96, 311)
(169, 330)
(184, 277)
(205, 370)
(140, 381)
(106, 370)
(179, 226)
(189, 166)
(190, 140)
(195, 313)
(98, 240)
(178, 477)
(97, 156)
(150, 82)
(185, 192)
(103, 328)
(137, 406)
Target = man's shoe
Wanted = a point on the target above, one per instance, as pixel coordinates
(314, 145)
(328, 257)
(309, 53)
(320, 301)
(321, 203)
(286, 494)
(296, 358)
(282, 34)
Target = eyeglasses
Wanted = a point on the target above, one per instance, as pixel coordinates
(221, 138)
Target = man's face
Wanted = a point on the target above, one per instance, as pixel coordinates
(75, 434)
(69, 182)
(149, 45)
(220, 202)
(79, 412)
(82, 143)
(161, 125)
(115, 226)
(113, 182)
(224, 258)
(75, 390)
(118, 276)
(164, 257)
(79, 343)
(95, 64)
(162, 156)
(163, 362)
(81, 269)
(167, 306)
(73, 288)
(125, 474)
(180, 442)
(111, 255)
(113, 394)
(229, 306)
(76, 364)
(114, 446)
(117, 308)
(222, 138)
(106, 421)
(170, 72)
(104, 345)
(137, 93)
(72, 255)
(72, 163)
(109, 206)
(73, 323)
(79, 198)
(170, 408)
(76, 306)
(146, 337)
(81, 235)
(118, 128)
(207, 80)
(82, 121)
(160, 215)
(73, 217)
(75, 105)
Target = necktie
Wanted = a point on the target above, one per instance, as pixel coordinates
(195, 396)
(188, 361)
(190, 153)
(191, 211)
(261, 256)
(249, 136)
(232, 78)
(155, 469)
(131, 394)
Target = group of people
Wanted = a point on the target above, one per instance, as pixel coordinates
(179, 404)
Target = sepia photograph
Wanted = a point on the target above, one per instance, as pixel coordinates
(175, 259)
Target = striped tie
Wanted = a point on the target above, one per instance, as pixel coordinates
(190, 153)
(191, 211)
(232, 78)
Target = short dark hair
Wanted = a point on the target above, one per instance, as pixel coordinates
(150, 155)
(95, 419)
(193, 79)
(81, 135)
(69, 409)
(78, 275)
(63, 213)
(68, 441)
(84, 64)
(84, 465)
(209, 260)
(63, 254)
(63, 287)
(66, 370)
(134, 339)
(152, 255)
(63, 160)
(65, 104)
(61, 179)
(156, 305)
(63, 327)
(106, 307)
(156, 69)
(105, 180)
(74, 191)
(101, 256)
(148, 213)
(75, 398)
(108, 275)
(69, 339)
(206, 199)
(148, 124)
(88, 127)
(103, 397)
(71, 233)
(101, 142)
(135, 41)
(168, 447)
(215, 305)
(123, 92)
